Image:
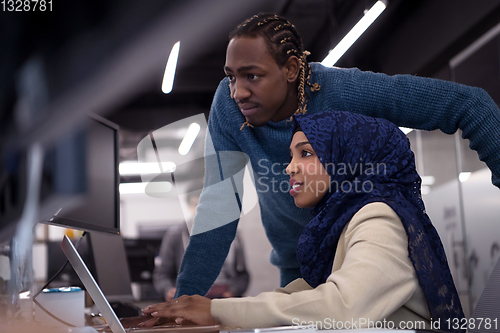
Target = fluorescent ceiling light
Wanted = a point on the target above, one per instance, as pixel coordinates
(349, 39)
(428, 180)
(425, 190)
(464, 176)
(134, 168)
(168, 77)
(189, 138)
(138, 188)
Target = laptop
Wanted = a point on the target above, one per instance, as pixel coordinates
(106, 310)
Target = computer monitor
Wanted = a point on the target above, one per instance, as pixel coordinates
(61, 180)
(13, 192)
(141, 254)
(111, 266)
(99, 210)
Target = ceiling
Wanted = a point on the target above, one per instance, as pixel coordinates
(411, 36)
(109, 57)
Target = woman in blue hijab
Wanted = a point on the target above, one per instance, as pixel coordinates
(370, 255)
(370, 161)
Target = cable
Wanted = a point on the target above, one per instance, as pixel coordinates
(52, 315)
(59, 271)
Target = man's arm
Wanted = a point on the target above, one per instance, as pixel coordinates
(218, 211)
(203, 260)
(423, 103)
(165, 273)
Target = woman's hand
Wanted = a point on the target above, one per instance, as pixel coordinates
(193, 309)
(137, 321)
(170, 294)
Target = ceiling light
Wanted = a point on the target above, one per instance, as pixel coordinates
(189, 138)
(349, 39)
(425, 190)
(138, 188)
(464, 176)
(134, 168)
(406, 130)
(168, 77)
(428, 180)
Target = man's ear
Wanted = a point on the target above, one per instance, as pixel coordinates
(292, 68)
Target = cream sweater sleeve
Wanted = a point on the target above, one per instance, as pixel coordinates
(372, 277)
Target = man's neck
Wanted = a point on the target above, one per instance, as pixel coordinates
(289, 107)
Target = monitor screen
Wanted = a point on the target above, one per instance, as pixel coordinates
(111, 266)
(99, 209)
(141, 254)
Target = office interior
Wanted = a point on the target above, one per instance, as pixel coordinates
(88, 62)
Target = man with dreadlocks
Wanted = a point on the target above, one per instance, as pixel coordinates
(269, 80)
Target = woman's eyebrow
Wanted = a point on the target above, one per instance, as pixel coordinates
(300, 144)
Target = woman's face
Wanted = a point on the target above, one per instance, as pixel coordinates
(308, 177)
(259, 86)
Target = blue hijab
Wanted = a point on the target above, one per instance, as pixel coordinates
(370, 160)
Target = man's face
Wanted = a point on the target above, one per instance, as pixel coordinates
(259, 86)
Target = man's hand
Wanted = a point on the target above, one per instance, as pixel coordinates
(193, 309)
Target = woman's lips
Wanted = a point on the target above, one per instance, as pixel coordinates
(296, 187)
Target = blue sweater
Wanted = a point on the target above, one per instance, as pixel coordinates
(405, 100)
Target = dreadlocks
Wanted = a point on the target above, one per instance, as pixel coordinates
(283, 41)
